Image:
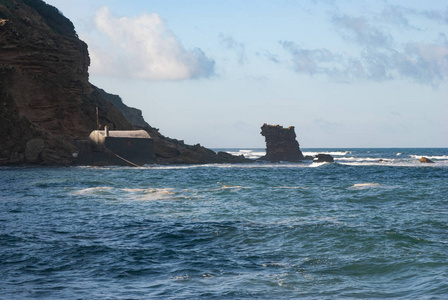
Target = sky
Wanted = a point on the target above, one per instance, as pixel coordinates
(345, 73)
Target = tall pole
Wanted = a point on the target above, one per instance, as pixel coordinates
(97, 120)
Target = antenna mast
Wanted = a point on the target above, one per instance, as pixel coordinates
(97, 120)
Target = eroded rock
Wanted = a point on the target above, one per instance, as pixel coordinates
(426, 160)
(281, 144)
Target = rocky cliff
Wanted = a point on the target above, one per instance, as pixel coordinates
(48, 106)
(281, 144)
(167, 150)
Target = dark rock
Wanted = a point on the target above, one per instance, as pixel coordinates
(426, 160)
(53, 157)
(33, 150)
(319, 158)
(45, 94)
(281, 144)
(226, 157)
(168, 150)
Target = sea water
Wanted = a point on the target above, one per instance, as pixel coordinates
(356, 228)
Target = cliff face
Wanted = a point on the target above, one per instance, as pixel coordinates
(281, 144)
(46, 100)
(44, 90)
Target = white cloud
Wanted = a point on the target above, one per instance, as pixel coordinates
(230, 43)
(360, 31)
(309, 61)
(375, 54)
(422, 62)
(143, 47)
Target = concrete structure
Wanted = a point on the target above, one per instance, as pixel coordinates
(124, 146)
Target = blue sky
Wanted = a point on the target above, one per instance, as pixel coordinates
(344, 73)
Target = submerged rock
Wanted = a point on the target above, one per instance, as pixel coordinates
(319, 158)
(281, 144)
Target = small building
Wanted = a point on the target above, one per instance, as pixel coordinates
(133, 147)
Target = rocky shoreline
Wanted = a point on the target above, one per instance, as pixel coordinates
(48, 107)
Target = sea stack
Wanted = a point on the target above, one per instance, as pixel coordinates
(281, 144)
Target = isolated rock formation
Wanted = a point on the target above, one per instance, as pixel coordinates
(426, 160)
(319, 158)
(47, 105)
(281, 144)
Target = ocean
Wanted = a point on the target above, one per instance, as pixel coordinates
(356, 228)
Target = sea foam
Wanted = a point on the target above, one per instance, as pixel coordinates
(365, 185)
(129, 194)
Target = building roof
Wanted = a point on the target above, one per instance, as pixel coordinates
(136, 134)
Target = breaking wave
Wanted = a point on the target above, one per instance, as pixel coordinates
(332, 153)
(129, 194)
(365, 185)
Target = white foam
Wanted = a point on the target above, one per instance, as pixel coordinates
(316, 165)
(94, 190)
(250, 154)
(165, 191)
(152, 194)
(132, 194)
(255, 154)
(232, 187)
(332, 153)
(441, 157)
(365, 185)
(357, 159)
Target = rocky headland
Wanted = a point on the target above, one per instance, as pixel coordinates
(47, 105)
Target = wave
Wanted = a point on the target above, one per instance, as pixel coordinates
(439, 157)
(133, 194)
(250, 154)
(316, 165)
(346, 161)
(350, 157)
(332, 153)
(365, 185)
(257, 153)
(94, 190)
(233, 187)
(360, 159)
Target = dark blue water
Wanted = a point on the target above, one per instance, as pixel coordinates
(359, 228)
